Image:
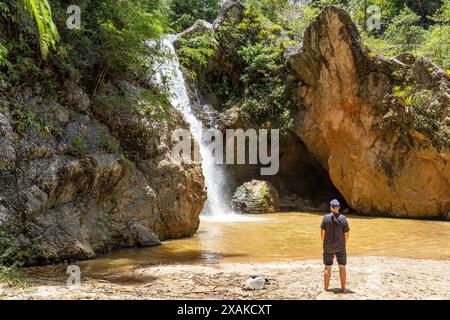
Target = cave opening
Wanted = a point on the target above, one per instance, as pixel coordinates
(302, 182)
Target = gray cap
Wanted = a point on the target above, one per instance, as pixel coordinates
(335, 203)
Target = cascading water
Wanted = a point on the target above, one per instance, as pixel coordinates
(214, 177)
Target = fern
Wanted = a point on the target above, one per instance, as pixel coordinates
(48, 33)
(3, 56)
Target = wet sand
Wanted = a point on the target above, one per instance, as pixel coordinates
(368, 278)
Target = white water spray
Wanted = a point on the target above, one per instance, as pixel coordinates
(214, 178)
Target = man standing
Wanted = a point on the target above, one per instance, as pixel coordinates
(334, 232)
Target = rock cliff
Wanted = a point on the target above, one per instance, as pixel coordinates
(379, 126)
(78, 177)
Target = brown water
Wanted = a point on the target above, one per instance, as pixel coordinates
(283, 237)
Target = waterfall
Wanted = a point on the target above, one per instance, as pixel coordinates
(215, 205)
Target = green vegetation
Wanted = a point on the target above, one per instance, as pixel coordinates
(13, 276)
(404, 31)
(421, 27)
(437, 46)
(112, 36)
(183, 13)
(194, 52)
(423, 32)
(404, 95)
(415, 109)
(111, 42)
(79, 145)
(255, 48)
(24, 118)
(123, 160)
(289, 15)
(437, 43)
(13, 257)
(263, 192)
(145, 103)
(109, 46)
(108, 144)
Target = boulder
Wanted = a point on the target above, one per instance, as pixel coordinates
(256, 196)
(386, 156)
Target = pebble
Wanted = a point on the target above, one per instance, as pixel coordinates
(255, 283)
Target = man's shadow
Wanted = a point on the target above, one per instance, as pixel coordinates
(339, 291)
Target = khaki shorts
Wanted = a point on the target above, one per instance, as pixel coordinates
(340, 256)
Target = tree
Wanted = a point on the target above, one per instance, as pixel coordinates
(358, 10)
(442, 15)
(405, 32)
(423, 8)
(437, 43)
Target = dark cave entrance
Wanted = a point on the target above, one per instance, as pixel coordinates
(302, 183)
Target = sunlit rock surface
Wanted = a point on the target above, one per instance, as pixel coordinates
(380, 166)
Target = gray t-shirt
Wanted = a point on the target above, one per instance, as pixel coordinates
(335, 226)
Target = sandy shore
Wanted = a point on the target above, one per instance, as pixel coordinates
(368, 278)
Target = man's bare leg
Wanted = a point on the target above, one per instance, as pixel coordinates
(343, 276)
(326, 277)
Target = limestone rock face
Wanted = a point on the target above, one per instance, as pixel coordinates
(380, 166)
(256, 196)
(93, 178)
